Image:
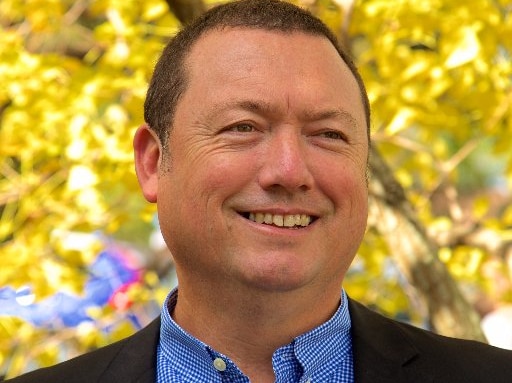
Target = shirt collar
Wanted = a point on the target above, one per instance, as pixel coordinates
(327, 344)
(311, 354)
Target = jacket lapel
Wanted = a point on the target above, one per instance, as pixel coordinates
(382, 353)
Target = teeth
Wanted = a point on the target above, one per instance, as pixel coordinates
(281, 220)
(289, 220)
(278, 220)
(305, 220)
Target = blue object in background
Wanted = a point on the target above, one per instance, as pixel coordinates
(114, 270)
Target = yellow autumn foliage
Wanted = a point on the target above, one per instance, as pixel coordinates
(73, 76)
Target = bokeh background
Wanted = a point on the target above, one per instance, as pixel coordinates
(81, 260)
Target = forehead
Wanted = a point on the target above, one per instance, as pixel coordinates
(271, 64)
(218, 43)
(233, 50)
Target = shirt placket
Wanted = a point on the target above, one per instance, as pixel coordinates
(226, 370)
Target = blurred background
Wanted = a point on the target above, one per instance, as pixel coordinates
(82, 263)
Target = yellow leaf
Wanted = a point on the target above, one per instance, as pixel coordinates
(466, 48)
(154, 9)
(81, 177)
(400, 121)
(507, 216)
(481, 207)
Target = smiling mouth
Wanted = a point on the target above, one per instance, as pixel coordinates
(292, 221)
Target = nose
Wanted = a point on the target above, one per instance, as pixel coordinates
(286, 163)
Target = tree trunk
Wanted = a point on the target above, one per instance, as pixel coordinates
(416, 255)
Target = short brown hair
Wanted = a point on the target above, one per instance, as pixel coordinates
(169, 79)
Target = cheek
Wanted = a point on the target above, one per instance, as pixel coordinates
(225, 174)
(344, 183)
(348, 192)
(208, 184)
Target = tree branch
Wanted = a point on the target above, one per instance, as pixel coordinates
(186, 10)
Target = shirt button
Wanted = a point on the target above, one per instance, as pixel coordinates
(219, 364)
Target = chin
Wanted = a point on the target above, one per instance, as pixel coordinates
(276, 281)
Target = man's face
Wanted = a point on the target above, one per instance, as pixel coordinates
(265, 184)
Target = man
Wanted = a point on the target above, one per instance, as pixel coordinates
(255, 151)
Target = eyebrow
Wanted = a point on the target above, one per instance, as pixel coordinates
(250, 105)
(265, 108)
(329, 114)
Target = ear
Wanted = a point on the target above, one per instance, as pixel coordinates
(147, 148)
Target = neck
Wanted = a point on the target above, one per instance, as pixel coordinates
(248, 326)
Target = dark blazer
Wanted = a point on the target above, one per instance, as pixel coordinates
(385, 351)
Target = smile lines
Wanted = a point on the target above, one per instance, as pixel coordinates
(287, 220)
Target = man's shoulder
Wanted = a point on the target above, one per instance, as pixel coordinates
(364, 318)
(128, 360)
(376, 338)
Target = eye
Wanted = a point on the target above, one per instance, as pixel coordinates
(333, 135)
(242, 128)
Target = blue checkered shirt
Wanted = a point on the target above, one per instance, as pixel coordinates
(323, 354)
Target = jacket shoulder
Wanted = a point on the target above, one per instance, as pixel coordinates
(418, 352)
(125, 360)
